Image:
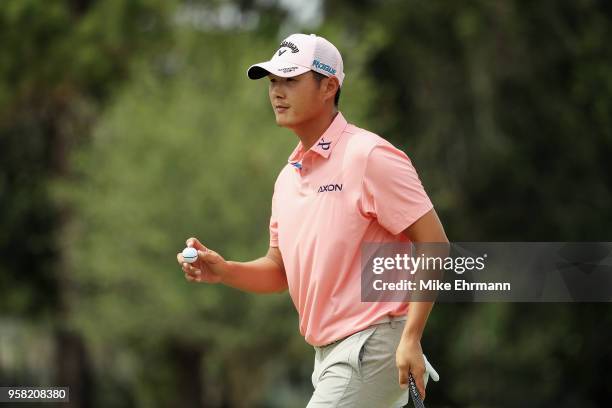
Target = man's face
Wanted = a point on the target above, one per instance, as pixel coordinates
(296, 100)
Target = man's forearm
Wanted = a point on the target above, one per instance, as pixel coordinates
(419, 309)
(263, 275)
(418, 312)
(430, 240)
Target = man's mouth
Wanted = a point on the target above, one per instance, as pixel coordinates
(280, 108)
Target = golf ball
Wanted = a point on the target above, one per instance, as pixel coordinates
(190, 255)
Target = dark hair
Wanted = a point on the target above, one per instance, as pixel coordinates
(319, 77)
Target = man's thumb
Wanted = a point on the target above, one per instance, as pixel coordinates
(194, 243)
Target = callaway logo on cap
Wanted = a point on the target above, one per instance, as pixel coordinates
(300, 53)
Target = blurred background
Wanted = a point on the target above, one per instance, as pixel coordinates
(128, 126)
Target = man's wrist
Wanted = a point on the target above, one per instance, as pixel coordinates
(225, 275)
(412, 334)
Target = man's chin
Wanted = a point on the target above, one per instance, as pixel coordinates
(283, 122)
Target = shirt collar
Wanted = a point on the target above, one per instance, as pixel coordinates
(324, 145)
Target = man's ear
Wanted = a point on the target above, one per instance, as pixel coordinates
(331, 86)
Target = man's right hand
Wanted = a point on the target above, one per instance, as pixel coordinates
(209, 267)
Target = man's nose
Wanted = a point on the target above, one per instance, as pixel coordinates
(277, 91)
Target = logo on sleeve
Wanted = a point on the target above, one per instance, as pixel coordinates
(329, 187)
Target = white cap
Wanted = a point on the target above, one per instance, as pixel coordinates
(300, 53)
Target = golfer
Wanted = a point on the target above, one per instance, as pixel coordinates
(342, 186)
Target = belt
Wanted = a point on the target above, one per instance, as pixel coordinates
(390, 319)
(382, 320)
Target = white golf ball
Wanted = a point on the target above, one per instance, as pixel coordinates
(190, 255)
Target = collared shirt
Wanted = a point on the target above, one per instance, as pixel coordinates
(349, 188)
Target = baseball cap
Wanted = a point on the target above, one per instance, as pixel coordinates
(300, 53)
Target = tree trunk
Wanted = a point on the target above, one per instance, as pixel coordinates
(74, 368)
(187, 361)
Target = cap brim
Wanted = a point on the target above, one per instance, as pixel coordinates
(279, 68)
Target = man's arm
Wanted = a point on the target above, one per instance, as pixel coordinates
(263, 275)
(426, 229)
(409, 356)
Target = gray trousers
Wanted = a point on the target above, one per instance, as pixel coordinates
(360, 370)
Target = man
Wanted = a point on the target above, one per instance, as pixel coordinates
(343, 186)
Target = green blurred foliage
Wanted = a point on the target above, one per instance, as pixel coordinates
(59, 63)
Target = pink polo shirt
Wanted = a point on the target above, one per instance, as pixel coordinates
(351, 187)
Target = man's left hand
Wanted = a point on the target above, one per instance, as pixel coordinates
(409, 360)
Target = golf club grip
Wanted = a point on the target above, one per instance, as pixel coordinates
(414, 395)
